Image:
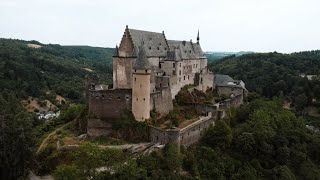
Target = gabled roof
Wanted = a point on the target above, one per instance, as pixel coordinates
(142, 62)
(155, 44)
(187, 49)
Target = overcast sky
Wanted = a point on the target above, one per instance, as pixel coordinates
(225, 25)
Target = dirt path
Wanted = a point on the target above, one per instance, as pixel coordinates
(44, 142)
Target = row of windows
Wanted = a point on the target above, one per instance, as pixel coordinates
(110, 97)
(158, 48)
(188, 67)
(184, 78)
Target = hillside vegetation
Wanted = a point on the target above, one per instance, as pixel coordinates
(277, 75)
(259, 140)
(27, 71)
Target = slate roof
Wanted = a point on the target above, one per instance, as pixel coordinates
(173, 55)
(142, 62)
(197, 50)
(225, 80)
(154, 43)
(184, 47)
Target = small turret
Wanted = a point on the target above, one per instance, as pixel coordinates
(198, 38)
(116, 52)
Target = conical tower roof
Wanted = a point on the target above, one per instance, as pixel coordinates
(142, 62)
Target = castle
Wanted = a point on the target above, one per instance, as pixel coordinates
(148, 72)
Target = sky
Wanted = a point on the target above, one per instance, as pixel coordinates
(225, 25)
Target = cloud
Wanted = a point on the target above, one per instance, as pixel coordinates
(225, 25)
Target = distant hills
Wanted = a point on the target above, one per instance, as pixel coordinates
(215, 55)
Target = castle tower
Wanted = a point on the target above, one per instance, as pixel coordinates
(122, 62)
(141, 87)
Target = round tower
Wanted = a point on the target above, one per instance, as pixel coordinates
(141, 87)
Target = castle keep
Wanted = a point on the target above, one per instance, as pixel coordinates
(148, 72)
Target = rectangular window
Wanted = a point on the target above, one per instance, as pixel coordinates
(174, 65)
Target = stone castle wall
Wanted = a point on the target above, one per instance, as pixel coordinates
(192, 133)
(110, 104)
(122, 72)
(186, 136)
(161, 101)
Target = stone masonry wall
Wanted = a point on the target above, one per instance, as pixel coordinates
(161, 101)
(122, 72)
(109, 104)
(193, 132)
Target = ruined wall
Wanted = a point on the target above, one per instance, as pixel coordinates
(110, 104)
(122, 72)
(161, 101)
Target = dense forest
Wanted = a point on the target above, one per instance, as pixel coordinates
(41, 72)
(277, 75)
(259, 140)
(27, 71)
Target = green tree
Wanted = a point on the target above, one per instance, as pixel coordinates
(220, 135)
(67, 172)
(16, 139)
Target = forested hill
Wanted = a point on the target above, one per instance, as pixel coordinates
(29, 68)
(273, 74)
